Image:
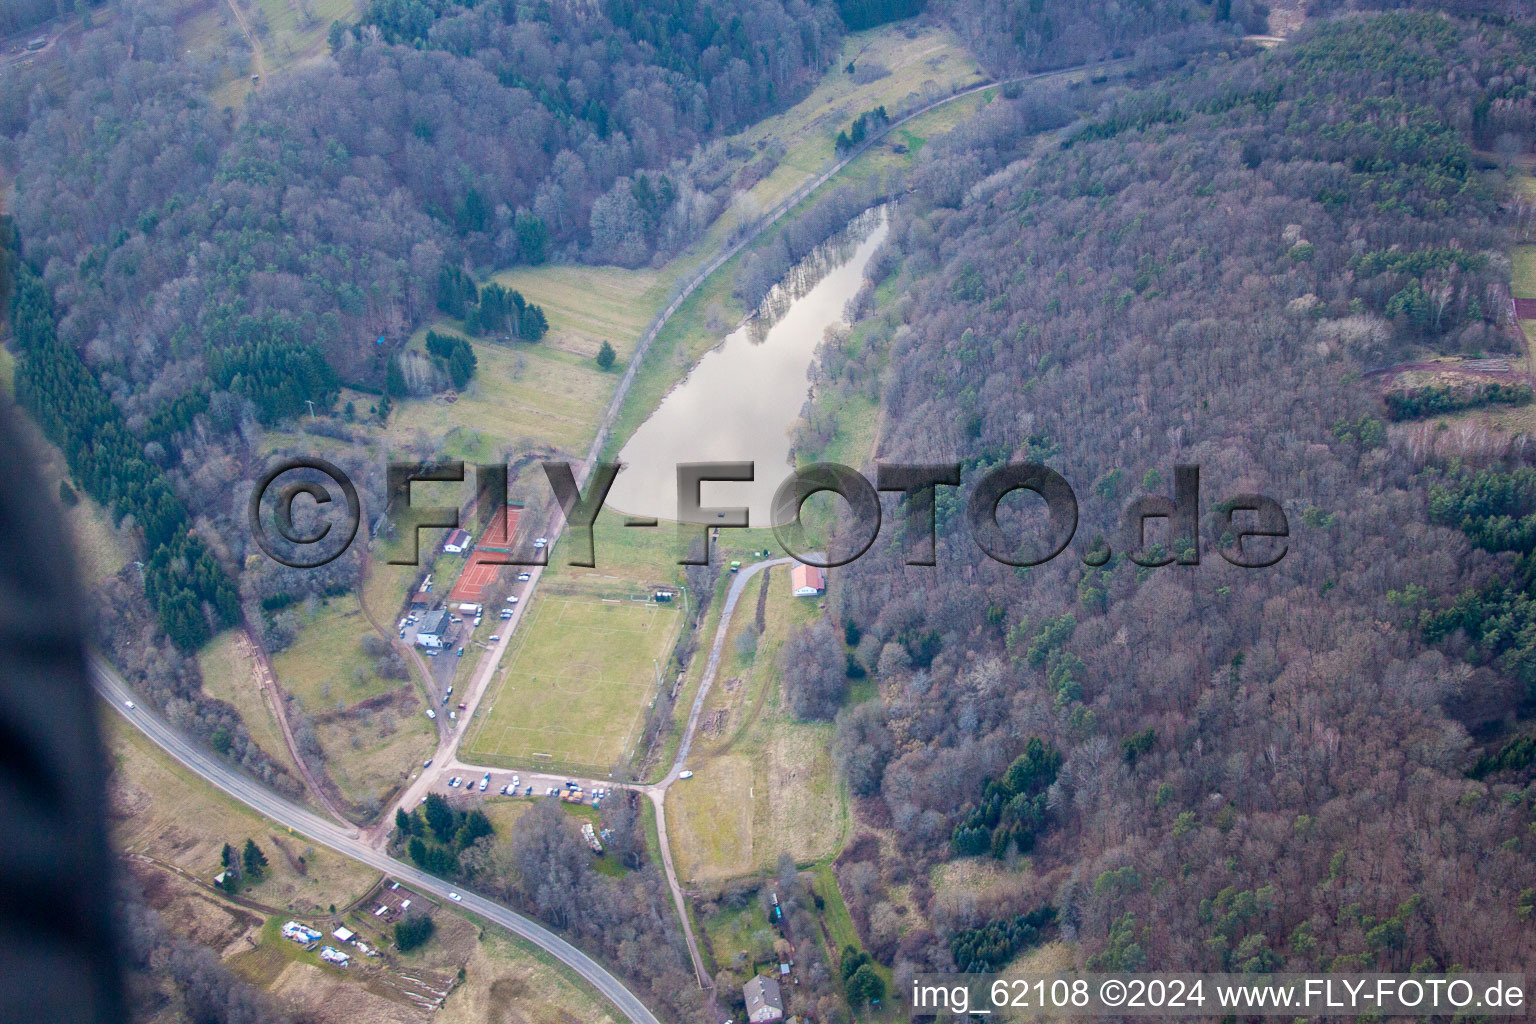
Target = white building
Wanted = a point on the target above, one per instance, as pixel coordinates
(434, 625)
(807, 581)
(458, 542)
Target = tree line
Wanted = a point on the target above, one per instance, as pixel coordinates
(1204, 272)
(189, 590)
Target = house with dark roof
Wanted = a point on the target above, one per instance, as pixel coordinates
(458, 542)
(764, 1002)
(434, 626)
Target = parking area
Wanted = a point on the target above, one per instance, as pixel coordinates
(497, 784)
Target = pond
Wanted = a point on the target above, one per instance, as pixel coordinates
(741, 402)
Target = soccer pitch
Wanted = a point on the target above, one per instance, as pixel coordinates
(578, 678)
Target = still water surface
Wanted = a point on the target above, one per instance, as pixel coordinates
(744, 397)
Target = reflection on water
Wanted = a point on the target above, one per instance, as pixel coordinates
(741, 401)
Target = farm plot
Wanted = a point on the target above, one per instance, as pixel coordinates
(579, 677)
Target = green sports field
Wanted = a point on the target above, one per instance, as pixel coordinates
(576, 683)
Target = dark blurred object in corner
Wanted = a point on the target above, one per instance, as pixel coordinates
(57, 951)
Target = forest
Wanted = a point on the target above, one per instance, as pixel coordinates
(1326, 764)
(1258, 769)
(545, 869)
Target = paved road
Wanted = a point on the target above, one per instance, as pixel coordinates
(349, 843)
(366, 847)
(437, 779)
(445, 759)
(658, 792)
(733, 595)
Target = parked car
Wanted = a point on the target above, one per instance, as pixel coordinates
(685, 775)
(506, 613)
(453, 783)
(461, 653)
(453, 716)
(431, 713)
(426, 764)
(540, 542)
(529, 791)
(523, 577)
(130, 705)
(550, 791)
(450, 688)
(512, 599)
(495, 637)
(515, 781)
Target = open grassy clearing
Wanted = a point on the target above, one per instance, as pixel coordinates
(371, 754)
(1523, 277)
(587, 305)
(325, 667)
(101, 549)
(292, 31)
(758, 773)
(522, 397)
(1047, 958)
(385, 590)
(161, 810)
(229, 674)
(506, 979)
(370, 748)
(741, 939)
(625, 555)
(578, 678)
(925, 64)
(747, 547)
(287, 33)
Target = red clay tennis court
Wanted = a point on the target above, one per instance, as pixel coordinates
(477, 575)
(485, 562)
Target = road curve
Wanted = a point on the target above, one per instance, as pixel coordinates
(711, 666)
(658, 792)
(349, 843)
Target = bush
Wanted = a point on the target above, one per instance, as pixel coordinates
(412, 931)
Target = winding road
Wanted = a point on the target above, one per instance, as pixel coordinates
(350, 843)
(657, 794)
(366, 847)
